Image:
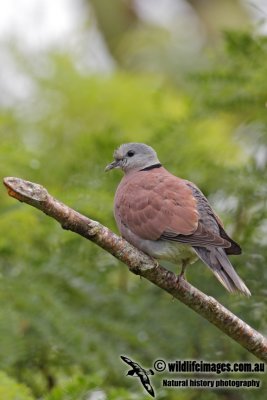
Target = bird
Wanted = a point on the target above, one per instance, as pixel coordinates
(140, 373)
(169, 218)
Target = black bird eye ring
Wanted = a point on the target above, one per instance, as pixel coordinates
(130, 153)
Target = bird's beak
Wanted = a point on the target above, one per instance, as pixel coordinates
(114, 164)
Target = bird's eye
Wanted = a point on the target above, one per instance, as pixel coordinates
(130, 153)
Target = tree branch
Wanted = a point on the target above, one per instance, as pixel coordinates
(140, 264)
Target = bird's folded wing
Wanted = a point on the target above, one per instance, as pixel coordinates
(208, 229)
(150, 204)
(162, 206)
(212, 222)
(201, 237)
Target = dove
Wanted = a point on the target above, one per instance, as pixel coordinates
(169, 218)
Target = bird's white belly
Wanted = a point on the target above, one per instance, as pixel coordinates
(161, 249)
(170, 251)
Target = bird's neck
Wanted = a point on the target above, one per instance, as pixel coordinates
(153, 166)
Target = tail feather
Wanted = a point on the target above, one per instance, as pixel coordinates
(216, 259)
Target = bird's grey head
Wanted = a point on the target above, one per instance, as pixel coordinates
(133, 157)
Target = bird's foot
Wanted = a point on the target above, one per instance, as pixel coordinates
(181, 276)
(182, 273)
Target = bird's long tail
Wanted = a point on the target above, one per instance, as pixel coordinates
(216, 259)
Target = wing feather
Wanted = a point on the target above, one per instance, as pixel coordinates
(149, 207)
(158, 205)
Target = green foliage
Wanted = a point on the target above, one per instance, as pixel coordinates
(78, 388)
(89, 387)
(67, 306)
(12, 390)
(236, 85)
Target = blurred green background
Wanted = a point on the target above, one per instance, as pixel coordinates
(77, 79)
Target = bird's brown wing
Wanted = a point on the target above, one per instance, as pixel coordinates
(201, 237)
(157, 205)
(208, 232)
(151, 203)
(212, 220)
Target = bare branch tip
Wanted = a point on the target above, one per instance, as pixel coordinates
(23, 190)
